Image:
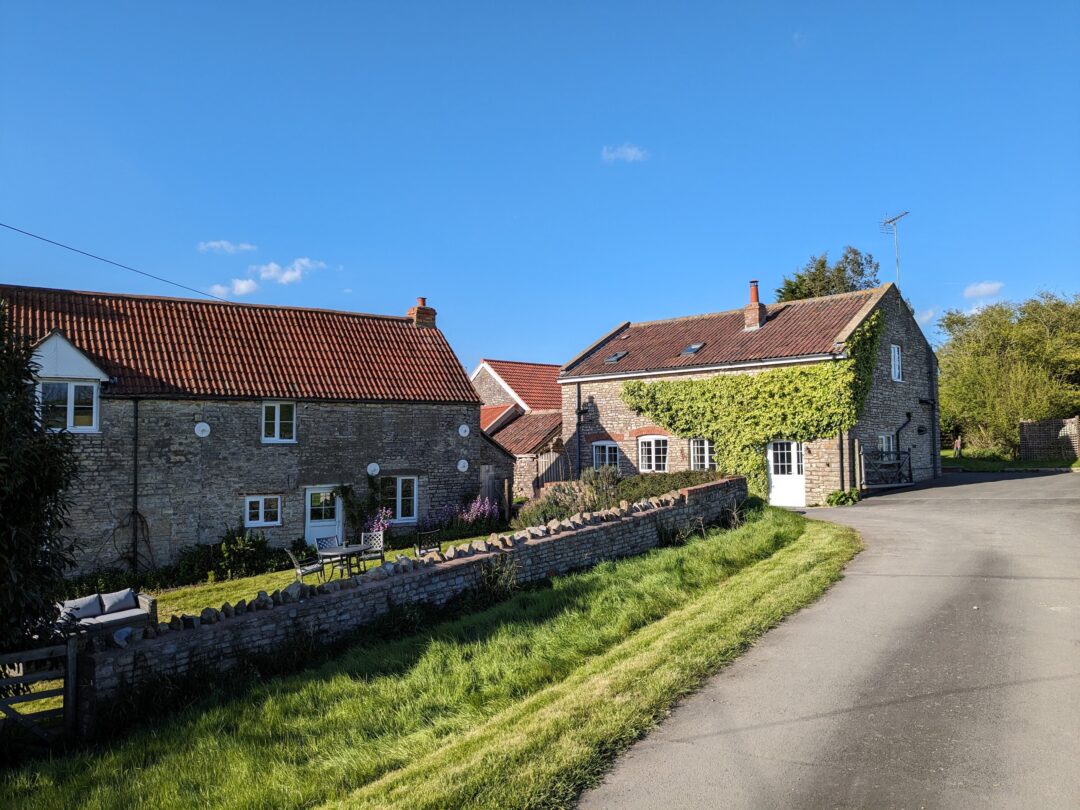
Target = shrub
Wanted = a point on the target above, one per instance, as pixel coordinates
(843, 497)
(244, 554)
(638, 487)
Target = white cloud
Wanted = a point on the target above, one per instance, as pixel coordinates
(237, 287)
(627, 153)
(272, 271)
(925, 316)
(984, 289)
(347, 290)
(224, 246)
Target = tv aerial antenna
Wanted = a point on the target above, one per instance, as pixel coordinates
(892, 225)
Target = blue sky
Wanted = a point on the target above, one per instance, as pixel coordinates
(540, 172)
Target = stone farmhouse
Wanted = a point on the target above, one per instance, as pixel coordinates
(894, 441)
(522, 411)
(192, 416)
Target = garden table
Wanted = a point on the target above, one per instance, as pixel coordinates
(347, 553)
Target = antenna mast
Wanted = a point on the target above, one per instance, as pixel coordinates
(892, 224)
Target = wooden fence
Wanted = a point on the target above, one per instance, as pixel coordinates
(56, 663)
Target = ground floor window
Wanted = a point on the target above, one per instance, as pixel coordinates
(886, 444)
(398, 493)
(787, 458)
(652, 454)
(701, 455)
(605, 454)
(262, 510)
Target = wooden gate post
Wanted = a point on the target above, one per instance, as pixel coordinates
(71, 708)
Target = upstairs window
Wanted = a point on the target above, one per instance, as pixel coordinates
(897, 364)
(279, 422)
(605, 454)
(399, 495)
(652, 454)
(701, 455)
(69, 405)
(262, 510)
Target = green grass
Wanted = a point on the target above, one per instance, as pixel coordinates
(193, 598)
(1003, 464)
(520, 705)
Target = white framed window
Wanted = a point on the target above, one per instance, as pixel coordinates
(701, 455)
(897, 363)
(787, 458)
(886, 444)
(605, 454)
(399, 494)
(70, 405)
(262, 510)
(278, 422)
(652, 454)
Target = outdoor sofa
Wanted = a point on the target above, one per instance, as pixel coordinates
(109, 611)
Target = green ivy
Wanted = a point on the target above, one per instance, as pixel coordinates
(742, 413)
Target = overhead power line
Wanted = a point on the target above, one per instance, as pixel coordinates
(110, 261)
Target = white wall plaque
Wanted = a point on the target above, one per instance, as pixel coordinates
(463, 466)
(202, 429)
(373, 468)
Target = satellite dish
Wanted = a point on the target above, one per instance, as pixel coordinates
(202, 429)
(463, 431)
(463, 466)
(373, 468)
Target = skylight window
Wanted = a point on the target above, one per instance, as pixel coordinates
(692, 348)
(614, 358)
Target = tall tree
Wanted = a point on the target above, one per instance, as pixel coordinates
(854, 270)
(36, 468)
(1007, 362)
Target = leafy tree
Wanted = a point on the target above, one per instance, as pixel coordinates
(36, 468)
(1008, 362)
(853, 271)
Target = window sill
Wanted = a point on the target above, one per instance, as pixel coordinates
(279, 441)
(403, 522)
(75, 431)
(261, 525)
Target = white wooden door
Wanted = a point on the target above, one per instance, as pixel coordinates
(322, 514)
(787, 482)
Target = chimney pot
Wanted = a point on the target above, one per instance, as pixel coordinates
(754, 313)
(421, 314)
(753, 291)
(421, 301)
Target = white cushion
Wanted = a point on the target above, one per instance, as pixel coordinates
(119, 600)
(85, 607)
(120, 617)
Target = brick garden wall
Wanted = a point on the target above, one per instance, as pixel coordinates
(1050, 438)
(191, 488)
(220, 641)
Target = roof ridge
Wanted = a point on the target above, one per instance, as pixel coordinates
(518, 362)
(768, 307)
(199, 301)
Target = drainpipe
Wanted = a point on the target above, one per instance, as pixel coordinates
(135, 492)
(578, 430)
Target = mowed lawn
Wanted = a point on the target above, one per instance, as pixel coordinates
(521, 705)
(1004, 464)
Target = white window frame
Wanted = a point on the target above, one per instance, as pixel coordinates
(70, 419)
(896, 360)
(607, 445)
(791, 457)
(886, 443)
(398, 500)
(261, 501)
(652, 441)
(276, 405)
(708, 454)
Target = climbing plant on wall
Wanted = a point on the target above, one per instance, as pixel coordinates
(741, 413)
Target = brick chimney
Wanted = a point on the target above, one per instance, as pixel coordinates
(421, 314)
(754, 312)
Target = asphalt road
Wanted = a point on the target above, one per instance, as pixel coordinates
(943, 671)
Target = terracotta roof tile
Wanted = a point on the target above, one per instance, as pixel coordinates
(793, 329)
(489, 414)
(185, 348)
(536, 383)
(529, 431)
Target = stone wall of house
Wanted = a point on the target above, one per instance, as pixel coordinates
(219, 641)
(1050, 438)
(190, 488)
(490, 391)
(830, 463)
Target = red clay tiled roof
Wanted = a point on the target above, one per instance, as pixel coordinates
(174, 347)
(529, 431)
(489, 414)
(793, 329)
(536, 383)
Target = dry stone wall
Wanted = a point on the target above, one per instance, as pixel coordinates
(222, 640)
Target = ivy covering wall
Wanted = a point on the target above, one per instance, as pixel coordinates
(742, 413)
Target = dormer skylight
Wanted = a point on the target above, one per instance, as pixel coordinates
(612, 359)
(693, 348)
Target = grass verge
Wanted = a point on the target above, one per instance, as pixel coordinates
(1004, 464)
(520, 705)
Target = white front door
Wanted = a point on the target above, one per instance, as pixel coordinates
(322, 514)
(787, 483)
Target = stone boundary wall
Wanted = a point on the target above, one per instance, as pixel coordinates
(219, 641)
(1050, 438)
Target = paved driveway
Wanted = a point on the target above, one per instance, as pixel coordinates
(943, 671)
